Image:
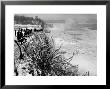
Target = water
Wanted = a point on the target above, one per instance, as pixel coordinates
(82, 41)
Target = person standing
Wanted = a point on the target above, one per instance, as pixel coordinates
(19, 35)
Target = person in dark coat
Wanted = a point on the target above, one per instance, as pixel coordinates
(19, 35)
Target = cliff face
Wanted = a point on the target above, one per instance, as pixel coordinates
(41, 58)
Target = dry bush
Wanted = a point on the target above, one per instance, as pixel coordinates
(43, 59)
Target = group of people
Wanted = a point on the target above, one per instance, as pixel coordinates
(21, 34)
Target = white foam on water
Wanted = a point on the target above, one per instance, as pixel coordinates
(85, 64)
(60, 41)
